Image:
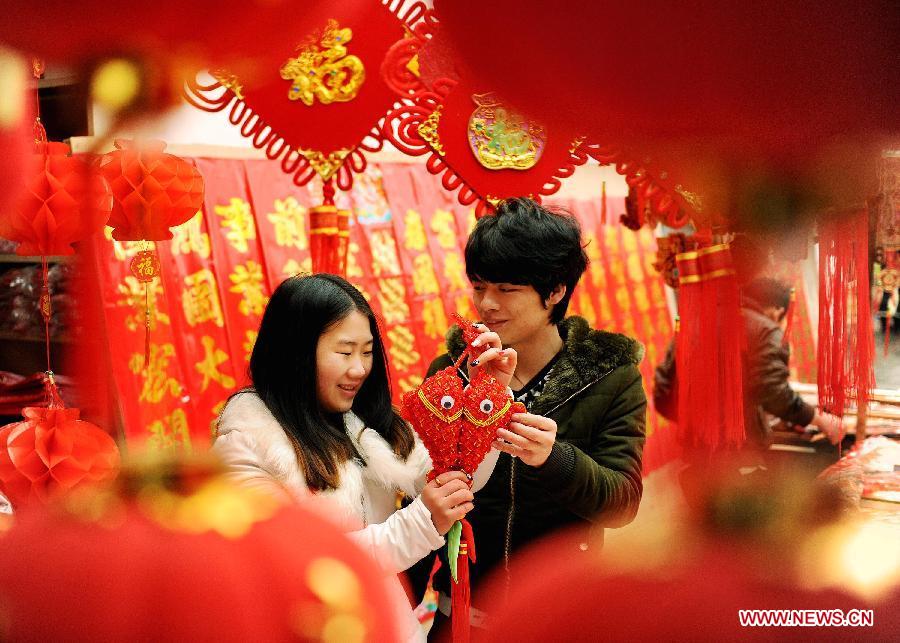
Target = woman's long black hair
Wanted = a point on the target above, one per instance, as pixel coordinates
(283, 372)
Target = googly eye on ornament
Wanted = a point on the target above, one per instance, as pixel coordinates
(486, 406)
(447, 402)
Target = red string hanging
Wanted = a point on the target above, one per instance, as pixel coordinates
(708, 351)
(846, 342)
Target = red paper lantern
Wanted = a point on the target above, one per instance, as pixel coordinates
(65, 202)
(153, 191)
(52, 451)
(143, 565)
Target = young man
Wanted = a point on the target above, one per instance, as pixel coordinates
(575, 457)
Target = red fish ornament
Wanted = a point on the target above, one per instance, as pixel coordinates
(457, 427)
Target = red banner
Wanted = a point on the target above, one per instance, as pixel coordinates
(407, 237)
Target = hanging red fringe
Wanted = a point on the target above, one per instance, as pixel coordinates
(329, 234)
(603, 203)
(846, 341)
(460, 600)
(708, 351)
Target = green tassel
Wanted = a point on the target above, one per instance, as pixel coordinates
(453, 537)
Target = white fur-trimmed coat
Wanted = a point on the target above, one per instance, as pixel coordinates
(257, 453)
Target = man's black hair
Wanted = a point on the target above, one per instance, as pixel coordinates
(768, 292)
(527, 244)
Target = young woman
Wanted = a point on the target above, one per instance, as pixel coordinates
(318, 423)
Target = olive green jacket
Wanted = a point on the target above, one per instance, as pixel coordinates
(593, 475)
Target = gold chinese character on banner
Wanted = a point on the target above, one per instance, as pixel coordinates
(289, 221)
(292, 267)
(635, 271)
(606, 316)
(249, 341)
(424, 279)
(353, 269)
(443, 225)
(617, 271)
(208, 367)
(189, 237)
(133, 297)
(663, 319)
(157, 382)
(200, 299)
(402, 348)
(392, 296)
(414, 235)
(324, 69)
(622, 300)
(629, 241)
(641, 299)
(409, 383)
(455, 271)
(238, 219)
(586, 307)
(248, 281)
(465, 307)
(591, 247)
(171, 433)
(384, 253)
(434, 318)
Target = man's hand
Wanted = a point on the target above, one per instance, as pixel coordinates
(528, 437)
(448, 498)
(830, 425)
(499, 362)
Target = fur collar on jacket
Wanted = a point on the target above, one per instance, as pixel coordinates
(588, 355)
(383, 469)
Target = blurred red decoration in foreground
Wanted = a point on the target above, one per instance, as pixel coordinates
(154, 191)
(66, 201)
(140, 561)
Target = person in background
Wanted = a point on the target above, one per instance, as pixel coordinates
(764, 305)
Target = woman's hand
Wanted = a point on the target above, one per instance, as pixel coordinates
(496, 360)
(448, 498)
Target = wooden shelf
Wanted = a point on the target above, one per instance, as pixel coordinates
(19, 259)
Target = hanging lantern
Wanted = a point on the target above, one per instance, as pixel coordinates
(153, 191)
(66, 201)
(52, 451)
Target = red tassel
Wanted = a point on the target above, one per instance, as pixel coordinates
(460, 600)
(603, 203)
(708, 351)
(846, 341)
